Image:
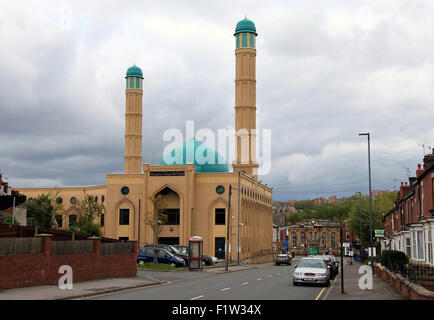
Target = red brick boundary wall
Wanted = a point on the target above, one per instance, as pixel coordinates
(408, 289)
(25, 270)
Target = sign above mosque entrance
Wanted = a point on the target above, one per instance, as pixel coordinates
(166, 173)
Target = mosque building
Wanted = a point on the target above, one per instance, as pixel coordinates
(195, 194)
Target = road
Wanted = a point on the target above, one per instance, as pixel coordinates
(267, 282)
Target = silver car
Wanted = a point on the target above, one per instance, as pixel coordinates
(311, 270)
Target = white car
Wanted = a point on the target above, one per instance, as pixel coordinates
(312, 270)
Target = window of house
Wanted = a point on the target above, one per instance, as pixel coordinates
(72, 219)
(302, 239)
(310, 235)
(59, 220)
(408, 247)
(430, 257)
(413, 241)
(102, 219)
(220, 216)
(420, 246)
(324, 240)
(333, 240)
(347, 235)
(294, 240)
(124, 217)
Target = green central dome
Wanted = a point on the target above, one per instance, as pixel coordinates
(134, 71)
(245, 25)
(198, 151)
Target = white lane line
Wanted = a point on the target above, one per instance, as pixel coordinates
(224, 289)
(278, 273)
(243, 284)
(198, 297)
(259, 279)
(269, 276)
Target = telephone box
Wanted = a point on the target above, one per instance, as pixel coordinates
(195, 248)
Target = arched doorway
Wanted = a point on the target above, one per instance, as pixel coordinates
(169, 210)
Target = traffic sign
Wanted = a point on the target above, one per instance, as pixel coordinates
(379, 233)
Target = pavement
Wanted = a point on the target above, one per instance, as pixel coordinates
(79, 290)
(98, 287)
(381, 290)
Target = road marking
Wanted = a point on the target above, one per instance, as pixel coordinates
(278, 274)
(259, 279)
(224, 289)
(269, 276)
(320, 293)
(243, 284)
(198, 297)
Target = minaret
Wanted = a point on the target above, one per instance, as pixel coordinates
(245, 97)
(133, 120)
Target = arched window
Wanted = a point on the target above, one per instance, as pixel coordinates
(333, 240)
(294, 240)
(310, 236)
(302, 239)
(324, 240)
(316, 236)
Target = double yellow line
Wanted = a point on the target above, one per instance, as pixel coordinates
(320, 293)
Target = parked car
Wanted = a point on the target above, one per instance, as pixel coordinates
(283, 258)
(147, 254)
(208, 260)
(330, 262)
(171, 249)
(312, 270)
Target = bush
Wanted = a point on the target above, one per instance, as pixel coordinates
(8, 220)
(394, 259)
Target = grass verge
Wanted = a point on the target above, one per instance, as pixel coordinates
(160, 266)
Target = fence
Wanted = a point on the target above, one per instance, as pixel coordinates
(20, 245)
(420, 274)
(59, 248)
(116, 248)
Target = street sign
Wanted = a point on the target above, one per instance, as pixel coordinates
(285, 244)
(379, 233)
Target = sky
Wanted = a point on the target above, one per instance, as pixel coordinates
(326, 71)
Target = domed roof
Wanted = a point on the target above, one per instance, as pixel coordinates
(134, 71)
(245, 25)
(218, 162)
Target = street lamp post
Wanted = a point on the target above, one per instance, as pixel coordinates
(239, 209)
(370, 200)
(227, 234)
(342, 259)
(360, 224)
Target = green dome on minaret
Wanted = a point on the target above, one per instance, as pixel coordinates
(134, 71)
(245, 25)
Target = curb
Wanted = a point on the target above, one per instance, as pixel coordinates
(229, 271)
(87, 295)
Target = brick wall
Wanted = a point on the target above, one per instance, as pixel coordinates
(23, 270)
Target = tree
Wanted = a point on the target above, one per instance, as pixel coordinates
(157, 218)
(40, 209)
(8, 220)
(87, 211)
(304, 205)
(380, 206)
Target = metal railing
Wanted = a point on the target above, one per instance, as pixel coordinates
(420, 274)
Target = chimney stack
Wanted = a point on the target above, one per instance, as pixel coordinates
(428, 160)
(419, 170)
